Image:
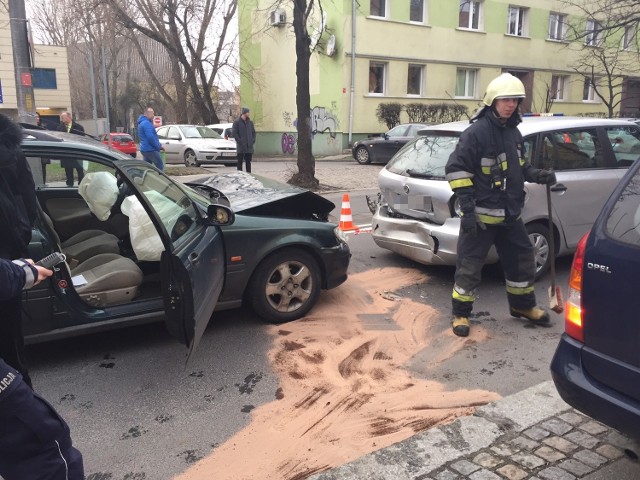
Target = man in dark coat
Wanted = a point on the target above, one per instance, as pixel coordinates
(245, 135)
(68, 125)
(35, 442)
(17, 213)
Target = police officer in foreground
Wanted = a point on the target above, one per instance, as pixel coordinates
(35, 442)
(487, 171)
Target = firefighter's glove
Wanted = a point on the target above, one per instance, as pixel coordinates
(469, 224)
(546, 177)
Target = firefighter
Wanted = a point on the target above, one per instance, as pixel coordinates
(487, 171)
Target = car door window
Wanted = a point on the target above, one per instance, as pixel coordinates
(173, 134)
(530, 149)
(571, 150)
(625, 142)
(623, 223)
(398, 131)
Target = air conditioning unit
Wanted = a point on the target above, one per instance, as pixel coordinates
(278, 17)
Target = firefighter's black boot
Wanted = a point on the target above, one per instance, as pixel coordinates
(460, 326)
(534, 315)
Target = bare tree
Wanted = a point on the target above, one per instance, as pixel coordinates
(604, 46)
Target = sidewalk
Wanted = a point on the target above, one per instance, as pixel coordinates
(532, 435)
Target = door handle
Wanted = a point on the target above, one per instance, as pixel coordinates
(558, 187)
(193, 257)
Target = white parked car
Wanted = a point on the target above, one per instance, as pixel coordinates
(195, 145)
(223, 129)
(416, 215)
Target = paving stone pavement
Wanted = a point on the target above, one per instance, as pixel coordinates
(530, 435)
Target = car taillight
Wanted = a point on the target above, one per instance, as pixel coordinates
(573, 319)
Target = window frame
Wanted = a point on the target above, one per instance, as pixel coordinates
(593, 83)
(473, 6)
(421, 79)
(384, 4)
(522, 24)
(466, 82)
(423, 20)
(562, 85)
(384, 66)
(628, 40)
(593, 33)
(44, 78)
(560, 24)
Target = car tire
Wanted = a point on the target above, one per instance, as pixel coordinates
(190, 159)
(539, 236)
(362, 156)
(285, 286)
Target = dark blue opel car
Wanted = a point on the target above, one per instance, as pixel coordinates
(596, 367)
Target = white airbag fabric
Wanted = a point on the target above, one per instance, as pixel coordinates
(100, 191)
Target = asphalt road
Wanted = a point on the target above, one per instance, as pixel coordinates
(137, 412)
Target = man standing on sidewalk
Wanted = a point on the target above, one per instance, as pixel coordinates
(150, 146)
(68, 125)
(245, 136)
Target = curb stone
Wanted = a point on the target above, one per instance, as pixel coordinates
(532, 434)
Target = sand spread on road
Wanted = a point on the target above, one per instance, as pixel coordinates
(344, 391)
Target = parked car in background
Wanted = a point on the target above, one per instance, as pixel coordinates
(194, 145)
(596, 366)
(122, 142)
(417, 213)
(223, 129)
(124, 267)
(380, 149)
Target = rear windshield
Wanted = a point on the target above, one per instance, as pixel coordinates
(623, 223)
(122, 138)
(424, 157)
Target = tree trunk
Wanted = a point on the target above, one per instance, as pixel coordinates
(306, 162)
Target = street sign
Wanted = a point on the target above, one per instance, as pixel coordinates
(157, 121)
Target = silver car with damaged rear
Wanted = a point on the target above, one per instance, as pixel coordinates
(416, 214)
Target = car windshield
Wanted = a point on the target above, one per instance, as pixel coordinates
(192, 131)
(122, 138)
(424, 157)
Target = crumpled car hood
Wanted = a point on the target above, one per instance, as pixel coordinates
(257, 195)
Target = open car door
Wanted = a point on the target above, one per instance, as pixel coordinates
(180, 230)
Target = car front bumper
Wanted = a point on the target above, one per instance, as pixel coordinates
(419, 240)
(583, 392)
(335, 261)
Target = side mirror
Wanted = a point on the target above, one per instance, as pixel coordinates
(220, 215)
(386, 136)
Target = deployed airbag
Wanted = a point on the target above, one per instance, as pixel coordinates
(100, 191)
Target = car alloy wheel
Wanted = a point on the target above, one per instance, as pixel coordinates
(362, 156)
(190, 159)
(539, 236)
(285, 285)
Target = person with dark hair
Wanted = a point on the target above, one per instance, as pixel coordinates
(35, 442)
(244, 134)
(487, 171)
(18, 206)
(68, 125)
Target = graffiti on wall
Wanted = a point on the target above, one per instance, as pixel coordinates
(288, 143)
(287, 118)
(323, 120)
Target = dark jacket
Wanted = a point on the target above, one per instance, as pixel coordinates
(17, 193)
(244, 133)
(77, 129)
(15, 276)
(487, 143)
(149, 141)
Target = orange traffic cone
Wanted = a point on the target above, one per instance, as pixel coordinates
(346, 220)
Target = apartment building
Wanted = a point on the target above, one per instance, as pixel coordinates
(408, 51)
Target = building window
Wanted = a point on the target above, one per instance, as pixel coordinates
(469, 15)
(377, 74)
(416, 11)
(629, 38)
(557, 26)
(415, 76)
(589, 91)
(593, 35)
(517, 21)
(44, 78)
(559, 86)
(378, 8)
(466, 83)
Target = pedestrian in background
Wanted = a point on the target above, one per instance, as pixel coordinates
(150, 146)
(35, 442)
(18, 206)
(43, 161)
(244, 133)
(68, 125)
(487, 171)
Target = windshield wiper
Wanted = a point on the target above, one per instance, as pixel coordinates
(425, 175)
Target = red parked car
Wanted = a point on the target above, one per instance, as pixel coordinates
(121, 141)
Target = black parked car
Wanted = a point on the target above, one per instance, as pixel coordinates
(141, 246)
(380, 149)
(596, 367)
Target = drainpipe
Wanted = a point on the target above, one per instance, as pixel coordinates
(353, 69)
